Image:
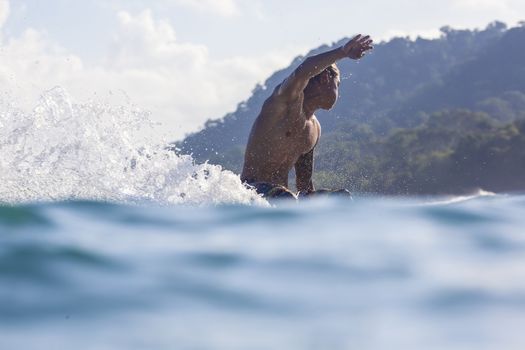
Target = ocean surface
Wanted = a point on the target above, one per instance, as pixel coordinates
(327, 274)
(110, 241)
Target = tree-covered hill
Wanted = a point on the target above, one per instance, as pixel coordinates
(496, 72)
(453, 151)
(406, 115)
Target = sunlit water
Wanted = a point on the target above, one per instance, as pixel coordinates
(159, 253)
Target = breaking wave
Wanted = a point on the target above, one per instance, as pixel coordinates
(63, 150)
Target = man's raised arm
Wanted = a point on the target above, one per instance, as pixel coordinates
(297, 81)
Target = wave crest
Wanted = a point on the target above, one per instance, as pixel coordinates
(63, 150)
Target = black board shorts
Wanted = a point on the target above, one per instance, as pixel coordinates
(273, 191)
(270, 190)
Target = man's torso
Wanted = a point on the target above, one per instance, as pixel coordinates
(280, 135)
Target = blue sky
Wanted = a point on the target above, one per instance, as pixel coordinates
(189, 60)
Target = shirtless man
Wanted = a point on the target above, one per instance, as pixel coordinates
(286, 131)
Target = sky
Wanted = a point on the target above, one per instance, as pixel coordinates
(186, 61)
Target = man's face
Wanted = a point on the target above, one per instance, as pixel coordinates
(328, 88)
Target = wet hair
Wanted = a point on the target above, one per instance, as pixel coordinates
(332, 69)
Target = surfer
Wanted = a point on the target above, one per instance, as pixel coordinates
(286, 131)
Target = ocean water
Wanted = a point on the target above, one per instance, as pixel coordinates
(328, 274)
(109, 241)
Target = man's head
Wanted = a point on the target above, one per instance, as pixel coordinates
(324, 87)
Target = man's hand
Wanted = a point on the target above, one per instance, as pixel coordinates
(357, 47)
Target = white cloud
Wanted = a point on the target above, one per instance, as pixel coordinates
(29, 61)
(179, 82)
(143, 43)
(4, 11)
(500, 5)
(222, 7)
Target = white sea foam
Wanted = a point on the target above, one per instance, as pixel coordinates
(64, 150)
(458, 199)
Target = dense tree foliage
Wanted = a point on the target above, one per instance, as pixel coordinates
(452, 152)
(416, 116)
